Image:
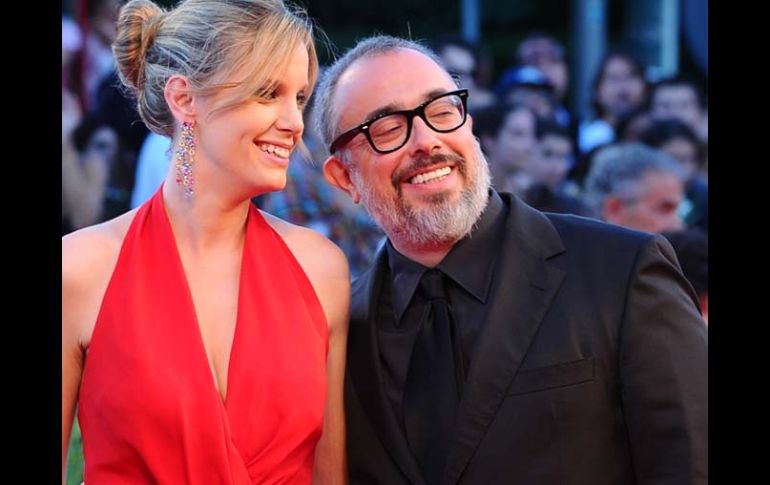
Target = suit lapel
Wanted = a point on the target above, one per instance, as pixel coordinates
(365, 369)
(523, 288)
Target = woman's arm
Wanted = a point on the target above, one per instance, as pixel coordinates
(71, 351)
(88, 259)
(327, 269)
(330, 466)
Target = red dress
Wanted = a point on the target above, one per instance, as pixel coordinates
(149, 409)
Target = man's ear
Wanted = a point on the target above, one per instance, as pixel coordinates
(337, 173)
(613, 210)
(179, 98)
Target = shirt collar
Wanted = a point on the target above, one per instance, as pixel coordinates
(470, 263)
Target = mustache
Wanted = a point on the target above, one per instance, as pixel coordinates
(425, 162)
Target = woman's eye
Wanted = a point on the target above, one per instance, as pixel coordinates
(267, 96)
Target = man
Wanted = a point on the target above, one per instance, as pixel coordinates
(571, 352)
(528, 86)
(637, 187)
(679, 98)
(507, 134)
(674, 137)
(550, 190)
(547, 54)
(555, 155)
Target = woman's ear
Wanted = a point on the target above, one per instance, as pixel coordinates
(179, 98)
(337, 173)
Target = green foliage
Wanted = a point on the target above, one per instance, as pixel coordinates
(75, 458)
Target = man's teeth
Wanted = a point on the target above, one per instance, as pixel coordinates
(430, 176)
(274, 150)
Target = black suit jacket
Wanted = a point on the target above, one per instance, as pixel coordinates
(591, 367)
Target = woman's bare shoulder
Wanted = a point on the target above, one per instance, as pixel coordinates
(319, 257)
(89, 256)
(325, 266)
(87, 250)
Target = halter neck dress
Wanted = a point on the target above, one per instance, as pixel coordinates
(149, 409)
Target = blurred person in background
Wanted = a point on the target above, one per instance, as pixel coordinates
(550, 190)
(619, 87)
(554, 156)
(630, 129)
(71, 43)
(680, 98)
(633, 124)
(507, 135)
(107, 100)
(678, 140)
(97, 61)
(89, 149)
(461, 58)
(547, 54)
(528, 86)
(151, 167)
(638, 187)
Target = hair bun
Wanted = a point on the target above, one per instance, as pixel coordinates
(138, 24)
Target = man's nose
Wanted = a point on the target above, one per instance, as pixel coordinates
(422, 138)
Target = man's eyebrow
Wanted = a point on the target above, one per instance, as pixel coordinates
(381, 111)
(389, 108)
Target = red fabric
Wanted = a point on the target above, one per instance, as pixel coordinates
(149, 409)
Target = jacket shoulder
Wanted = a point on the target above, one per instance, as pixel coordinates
(595, 233)
(366, 286)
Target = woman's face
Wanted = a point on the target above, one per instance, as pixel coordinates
(247, 147)
(621, 89)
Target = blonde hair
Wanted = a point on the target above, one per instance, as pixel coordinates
(207, 41)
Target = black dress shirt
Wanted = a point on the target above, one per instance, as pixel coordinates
(469, 268)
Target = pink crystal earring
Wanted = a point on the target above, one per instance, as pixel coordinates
(185, 153)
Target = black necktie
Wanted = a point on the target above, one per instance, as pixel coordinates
(433, 383)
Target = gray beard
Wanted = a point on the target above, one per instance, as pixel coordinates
(441, 223)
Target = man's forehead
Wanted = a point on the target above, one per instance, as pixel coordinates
(398, 79)
(399, 67)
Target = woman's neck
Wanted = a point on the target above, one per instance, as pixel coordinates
(204, 221)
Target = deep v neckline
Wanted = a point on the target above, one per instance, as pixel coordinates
(204, 358)
(149, 405)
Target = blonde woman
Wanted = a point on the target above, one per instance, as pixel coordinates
(203, 341)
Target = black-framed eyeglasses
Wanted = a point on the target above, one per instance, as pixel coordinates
(389, 131)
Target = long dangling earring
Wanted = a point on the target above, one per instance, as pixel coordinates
(185, 158)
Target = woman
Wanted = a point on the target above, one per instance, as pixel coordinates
(620, 87)
(202, 340)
